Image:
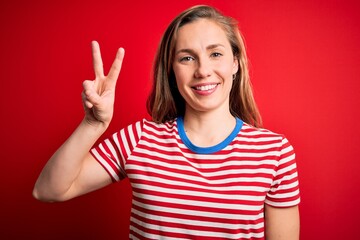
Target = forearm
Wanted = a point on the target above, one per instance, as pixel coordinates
(61, 171)
(72, 171)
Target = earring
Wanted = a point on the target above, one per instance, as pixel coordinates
(234, 76)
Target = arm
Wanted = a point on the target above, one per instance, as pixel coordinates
(282, 223)
(72, 171)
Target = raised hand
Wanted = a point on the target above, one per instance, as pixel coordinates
(99, 94)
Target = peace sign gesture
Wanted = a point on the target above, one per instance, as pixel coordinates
(99, 94)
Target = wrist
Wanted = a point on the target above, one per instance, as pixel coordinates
(95, 127)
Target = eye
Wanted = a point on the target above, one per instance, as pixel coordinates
(216, 54)
(186, 59)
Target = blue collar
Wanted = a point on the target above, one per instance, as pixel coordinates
(212, 149)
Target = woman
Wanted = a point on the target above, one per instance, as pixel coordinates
(201, 169)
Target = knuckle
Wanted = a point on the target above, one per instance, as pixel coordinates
(87, 83)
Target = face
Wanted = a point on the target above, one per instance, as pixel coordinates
(204, 65)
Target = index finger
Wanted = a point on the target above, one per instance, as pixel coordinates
(97, 61)
(116, 66)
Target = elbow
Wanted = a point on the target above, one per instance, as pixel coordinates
(39, 196)
(45, 196)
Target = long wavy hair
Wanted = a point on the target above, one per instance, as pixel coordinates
(165, 102)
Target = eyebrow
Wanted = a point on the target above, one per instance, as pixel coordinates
(210, 47)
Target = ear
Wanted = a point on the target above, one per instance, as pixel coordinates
(235, 65)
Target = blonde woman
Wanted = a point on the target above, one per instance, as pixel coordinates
(201, 168)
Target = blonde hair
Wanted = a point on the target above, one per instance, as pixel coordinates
(165, 102)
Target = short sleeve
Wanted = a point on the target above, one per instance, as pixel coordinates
(113, 152)
(284, 191)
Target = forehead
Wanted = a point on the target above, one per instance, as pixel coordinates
(201, 33)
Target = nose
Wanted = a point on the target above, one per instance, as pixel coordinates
(203, 68)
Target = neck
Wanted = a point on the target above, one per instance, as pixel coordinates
(208, 129)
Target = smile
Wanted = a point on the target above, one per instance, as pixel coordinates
(205, 87)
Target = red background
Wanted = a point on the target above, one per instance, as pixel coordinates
(305, 67)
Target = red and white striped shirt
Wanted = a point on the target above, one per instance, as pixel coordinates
(181, 191)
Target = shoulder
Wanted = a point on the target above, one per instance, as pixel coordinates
(251, 131)
(252, 134)
(168, 126)
(146, 124)
(149, 127)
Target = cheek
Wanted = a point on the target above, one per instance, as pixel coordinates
(179, 79)
(227, 67)
(226, 71)
(181, 75)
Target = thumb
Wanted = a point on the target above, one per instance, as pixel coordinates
(90, 95)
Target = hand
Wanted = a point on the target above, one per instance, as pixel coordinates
(99, 94)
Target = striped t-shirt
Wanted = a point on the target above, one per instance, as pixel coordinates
(181, 191)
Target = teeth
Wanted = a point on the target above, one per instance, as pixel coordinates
(206, 87)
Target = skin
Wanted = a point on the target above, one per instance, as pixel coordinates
(203, 59)
(282, 223)
(72, 171)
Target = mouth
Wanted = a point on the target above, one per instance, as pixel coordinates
(205, 89)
